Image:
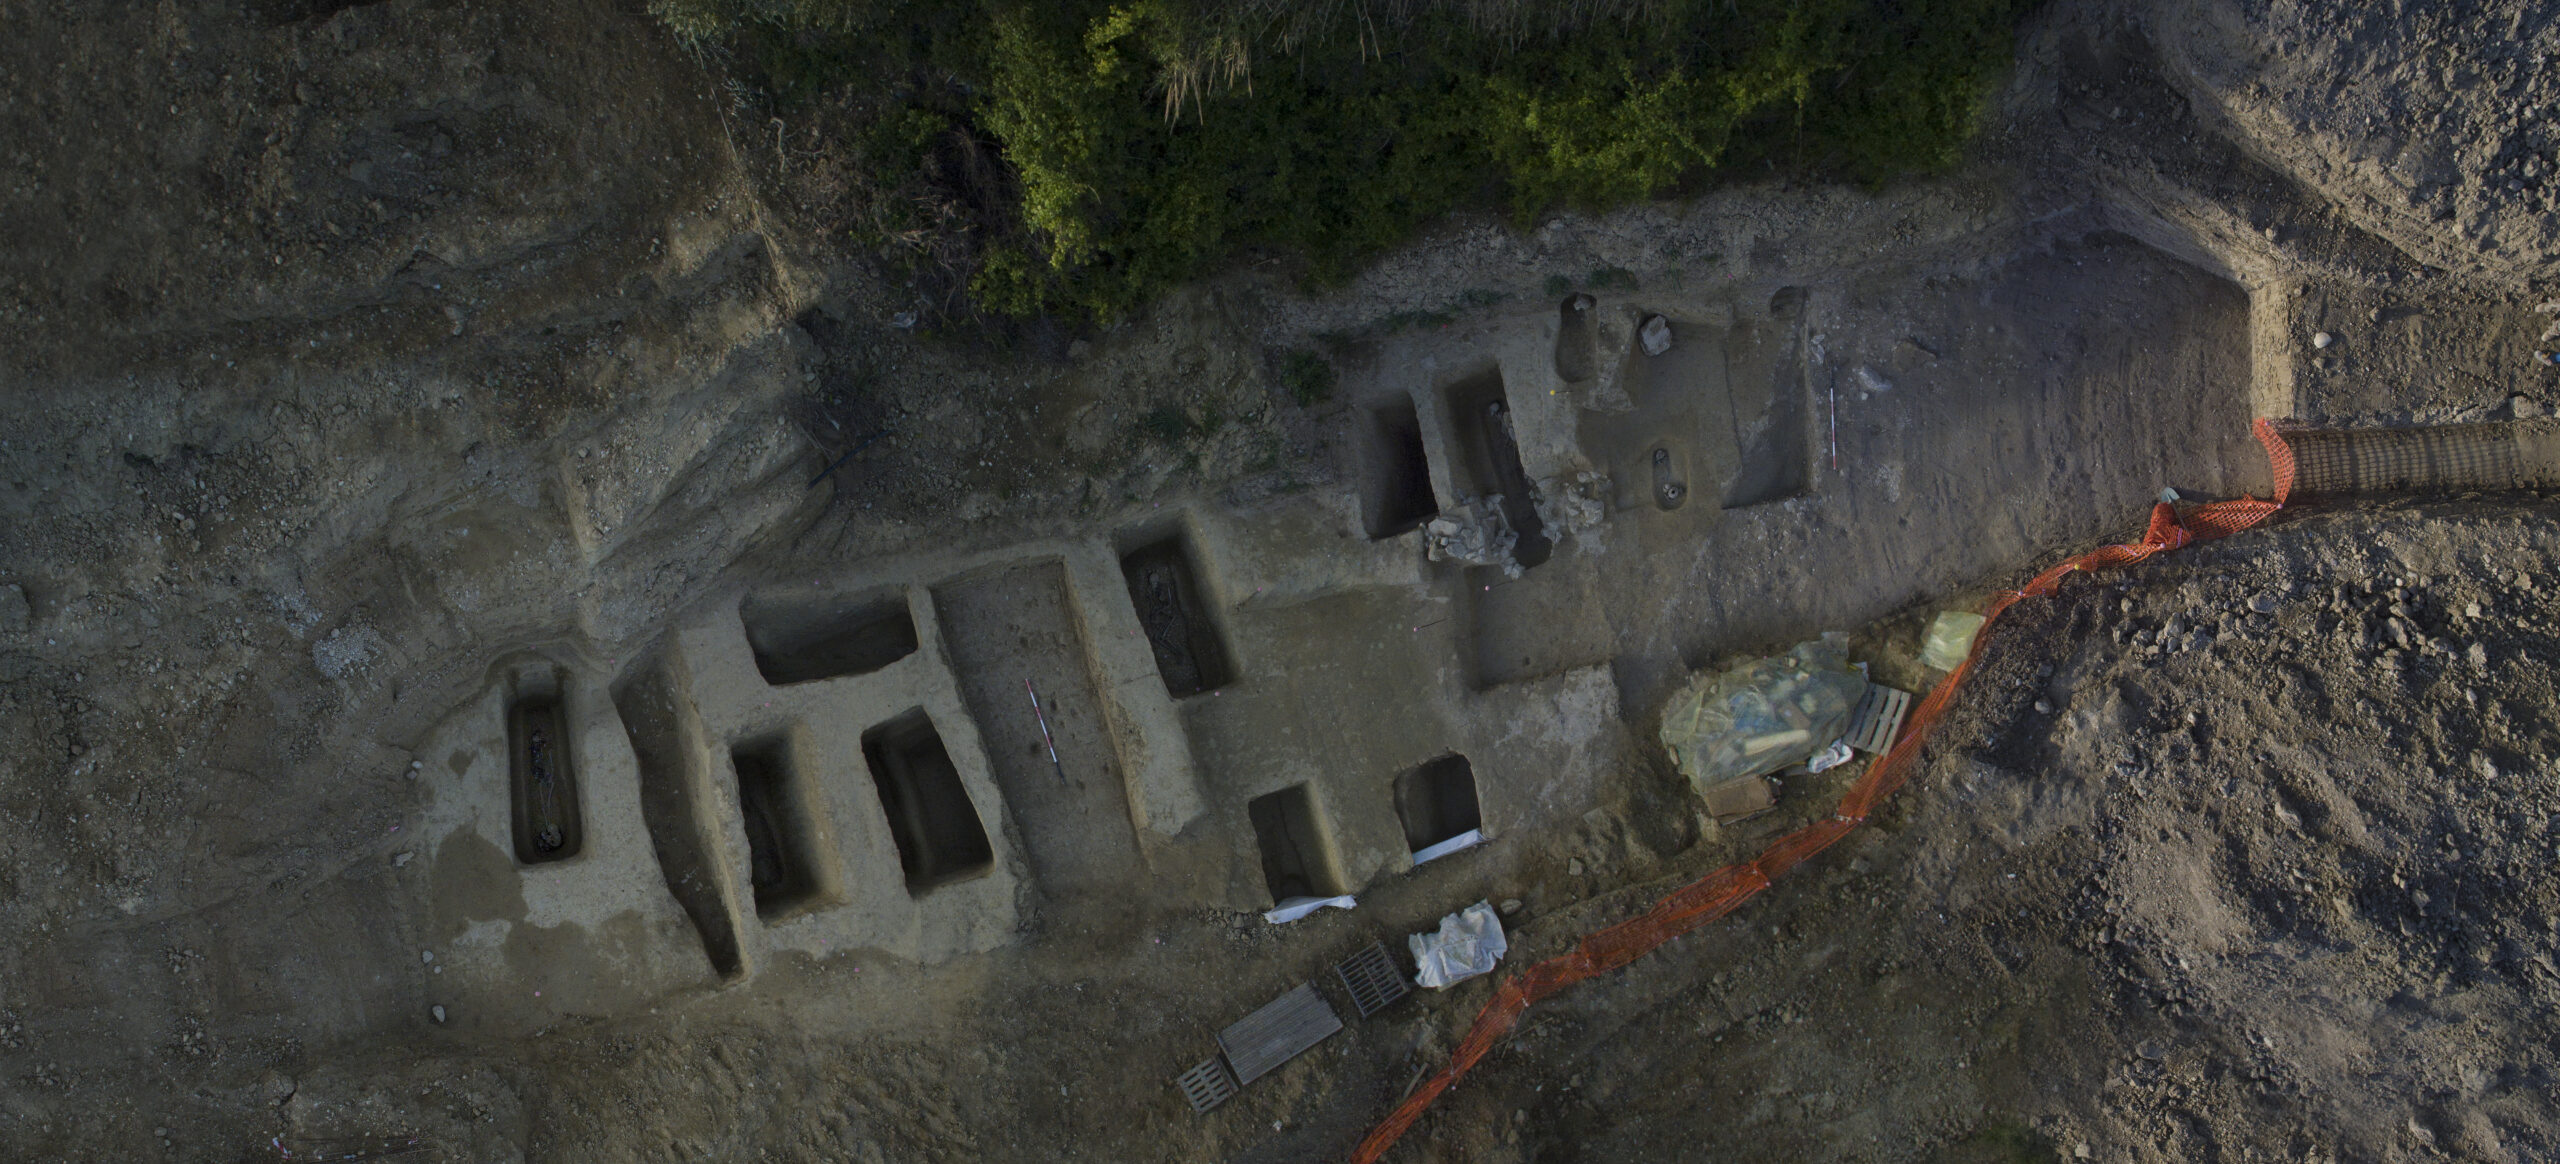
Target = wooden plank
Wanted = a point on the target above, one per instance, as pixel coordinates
(1280, 1031)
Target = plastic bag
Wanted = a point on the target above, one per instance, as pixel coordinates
(1470, 941)
(1763, 715)
(1950, 639)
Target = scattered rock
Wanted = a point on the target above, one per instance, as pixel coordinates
(1475, 533)
(2322, 339)
(2263, 604)
(437, 1012)
(400, 859)
(1510, 906)
(1573, 866)
(2524, 408)
(1655, 335)
(426, 955)
(346, 651)
(2479, 655)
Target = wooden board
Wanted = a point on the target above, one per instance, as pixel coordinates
(1279, 1032)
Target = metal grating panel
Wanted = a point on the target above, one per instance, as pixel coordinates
(1208, 1084)
(1278, 1032)
(1878, 720)
(1372, 978)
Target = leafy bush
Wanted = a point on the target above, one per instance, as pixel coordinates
(1144, 145)
(1308, 376)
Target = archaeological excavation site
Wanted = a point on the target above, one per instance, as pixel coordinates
(1447, 581)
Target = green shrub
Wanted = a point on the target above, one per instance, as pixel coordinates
(1611, 279)
(1308, 377)
(1169, 426)
(1146, 144)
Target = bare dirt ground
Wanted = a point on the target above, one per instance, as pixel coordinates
(351, 350)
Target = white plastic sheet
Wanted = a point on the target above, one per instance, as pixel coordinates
(1298, 907)
(1470, 941)
(1463, 841)
(1829, 758)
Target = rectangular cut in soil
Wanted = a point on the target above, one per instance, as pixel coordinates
(939, 837)
(656, 703)
(1010, 632)
(1480, 417)
(787, 862)
(1395, 472)
(1437, 801)
(1295, 859)
(1175, 612)
(542, 782)
(800, 639)
(1772, 426)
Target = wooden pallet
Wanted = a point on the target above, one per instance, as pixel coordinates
(1878, 721)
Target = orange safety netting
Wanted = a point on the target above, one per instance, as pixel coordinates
(1719, 893)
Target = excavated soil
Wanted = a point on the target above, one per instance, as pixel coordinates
(2241, 855)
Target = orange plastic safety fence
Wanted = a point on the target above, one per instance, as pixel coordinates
(1711, 897)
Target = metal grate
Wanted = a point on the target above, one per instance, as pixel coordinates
(1277, 1033)
(1208, 1084)
(1372, 978)
(1878, 720)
